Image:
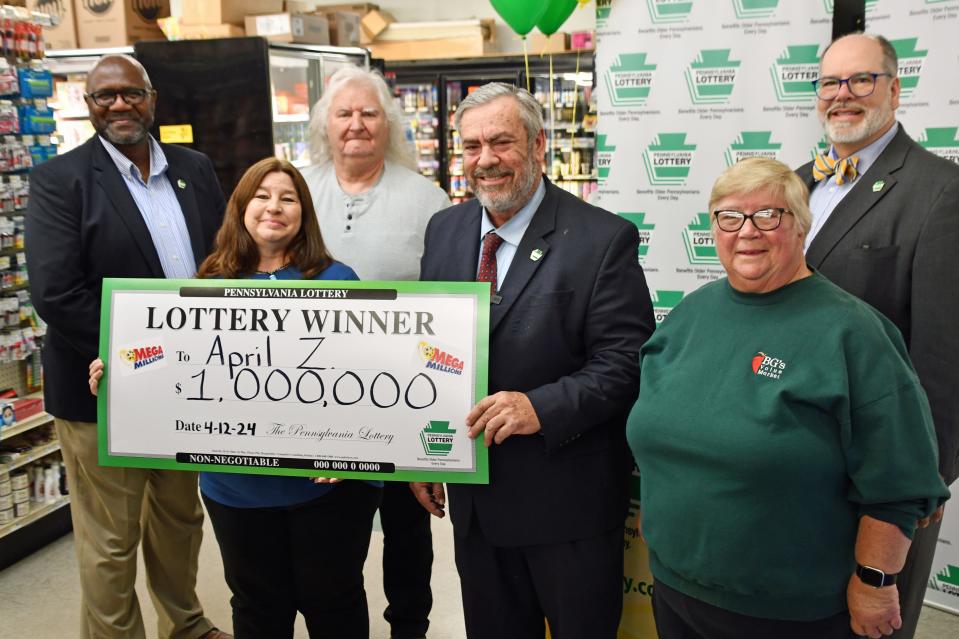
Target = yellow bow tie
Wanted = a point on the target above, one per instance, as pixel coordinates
(845, 169)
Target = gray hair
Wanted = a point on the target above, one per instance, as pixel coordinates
(530, 110)
(890, 59)
(398, 148)
(133, 62)
(764, 174)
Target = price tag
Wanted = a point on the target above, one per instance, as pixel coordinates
(176, 133)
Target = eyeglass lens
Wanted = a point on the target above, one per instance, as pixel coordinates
(107, 98)
(764, 220)
(860, 85)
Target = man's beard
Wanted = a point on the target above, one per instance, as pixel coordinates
(122, 139)
(874, 119)
(514, 197)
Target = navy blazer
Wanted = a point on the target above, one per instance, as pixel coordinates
(892, 243)
(82, 225)
(567, 333)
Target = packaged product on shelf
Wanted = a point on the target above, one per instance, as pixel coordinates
(37, 117)
(51, 488)
(21, 509)
(36, 81)
(9, 118)
(9, 85)
(6, 516)
(6, 501)
(19, 479)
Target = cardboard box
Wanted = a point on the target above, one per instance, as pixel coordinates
(435, 49)
(359, 8)
(209, 31)
(373, 24)
(225, 11)
(290, 27)
(118, 23)
(344, 28)
(64, 34)
(537, 43)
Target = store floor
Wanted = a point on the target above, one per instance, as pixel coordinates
(39, 596)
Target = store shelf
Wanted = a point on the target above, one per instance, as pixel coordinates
(14, 213)
(34, 454)
(573, 178)
(42, 510)
(24, 425)
(292, 117)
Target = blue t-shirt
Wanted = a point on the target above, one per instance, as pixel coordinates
(264, 491)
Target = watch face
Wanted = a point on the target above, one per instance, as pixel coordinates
(874, 577)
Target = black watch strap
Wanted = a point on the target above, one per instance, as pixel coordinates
(875, 577)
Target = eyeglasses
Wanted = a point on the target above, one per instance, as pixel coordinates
(764, 219)
(860, 85)
(106, 98)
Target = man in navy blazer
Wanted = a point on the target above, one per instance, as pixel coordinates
(888, 235)
(120, 205)
(570, 311)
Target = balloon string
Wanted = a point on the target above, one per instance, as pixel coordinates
(572, 130)
(552, 114)
(526, 59)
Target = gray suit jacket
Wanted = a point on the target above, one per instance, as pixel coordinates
(894, 245)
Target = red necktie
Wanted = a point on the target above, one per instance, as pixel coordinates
(487, 267)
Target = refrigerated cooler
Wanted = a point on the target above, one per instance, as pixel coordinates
(236, 99)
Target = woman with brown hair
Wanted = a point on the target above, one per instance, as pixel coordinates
(288, 544)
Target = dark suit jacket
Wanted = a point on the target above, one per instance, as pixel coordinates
(896, 248)
(82, 225)
(567, 333)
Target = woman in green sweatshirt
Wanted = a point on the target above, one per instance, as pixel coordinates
(785, 444)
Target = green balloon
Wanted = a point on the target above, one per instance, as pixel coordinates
(520, 15)
(556, 14)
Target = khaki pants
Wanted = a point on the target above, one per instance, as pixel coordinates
(113, 509)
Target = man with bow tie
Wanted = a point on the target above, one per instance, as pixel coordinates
(886, 229)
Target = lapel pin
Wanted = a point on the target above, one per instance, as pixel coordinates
(181, 183)
(535, 255)
(877, 186)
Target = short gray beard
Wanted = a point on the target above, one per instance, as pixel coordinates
(135, 137)
(515, 197)
(873, 122)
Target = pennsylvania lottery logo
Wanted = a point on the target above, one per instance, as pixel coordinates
(604, 157)
(437, 439)
(602, 12)
(699, 242)
(663, 11)
(942, 141)
(753, 144)
(664, 302)
(628, 79)
(748, 9)
(668, 159)
(821, 147)
(710, 78)
(137, 358)
(910, 63)
(946, 580)
(870, 5)
(794, 71)
(439, 360)
(645, 232)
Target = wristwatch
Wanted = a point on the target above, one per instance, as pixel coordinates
(875, 577)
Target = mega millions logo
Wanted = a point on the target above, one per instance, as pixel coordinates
(439, 360)
(911, 59)
(751, 9)
(663, 303)
(645, 232)
(604, 157)
(629, 79)
(942, 141)
(711, 77)
(602, 12)
(947, 580)
(137, 358)
(794, 71)
(753, 144)
(668, 159)
(699, 242)
(437, 439)
(664, 11)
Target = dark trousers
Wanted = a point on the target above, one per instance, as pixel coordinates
(407, 561)
(914, 578)
(508, 592)
(307, 558)
(679, 616)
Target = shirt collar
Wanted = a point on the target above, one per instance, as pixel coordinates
(158, 161)
(515, 227)
(868, 154)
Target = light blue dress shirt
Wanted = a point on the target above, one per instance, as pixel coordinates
(160, 209)
(827, 195)
(512, 233)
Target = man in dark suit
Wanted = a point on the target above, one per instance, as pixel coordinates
(887, 232)
(570, 310)
(120, 205)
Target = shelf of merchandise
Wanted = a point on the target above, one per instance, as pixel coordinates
(42, 510)
(38, 452)
(291, 117)
(20, 427)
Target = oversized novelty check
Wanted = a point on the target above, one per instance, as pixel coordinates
(341, 379)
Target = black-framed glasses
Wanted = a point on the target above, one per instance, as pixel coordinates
(107, 97)
(860, 85)
(763, 219)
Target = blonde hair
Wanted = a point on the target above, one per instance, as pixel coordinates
(771, 176)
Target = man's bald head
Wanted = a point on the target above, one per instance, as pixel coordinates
(118, 59)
